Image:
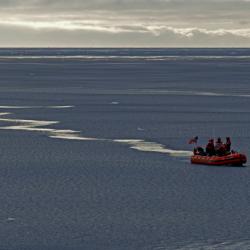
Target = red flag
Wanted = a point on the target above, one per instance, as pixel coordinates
(193, 140)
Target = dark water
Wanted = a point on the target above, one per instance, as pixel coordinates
(124, 52)
(84, 190)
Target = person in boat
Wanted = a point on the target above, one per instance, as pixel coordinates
(228, 144)
(220, 147)
(199, 151)
(210, 149)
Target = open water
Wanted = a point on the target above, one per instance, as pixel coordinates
(94, 151)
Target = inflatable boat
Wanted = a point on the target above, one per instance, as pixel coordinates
(232, 159)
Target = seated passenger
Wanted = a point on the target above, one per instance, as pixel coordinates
(210, 150)
(199, 151)
(219, 147)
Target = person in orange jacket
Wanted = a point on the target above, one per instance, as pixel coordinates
(220, 148)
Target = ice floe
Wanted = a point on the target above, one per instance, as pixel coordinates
(68, 134)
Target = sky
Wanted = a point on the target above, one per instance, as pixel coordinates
(125, 23)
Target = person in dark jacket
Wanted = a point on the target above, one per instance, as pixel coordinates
(228, 144)
(210, 150)
(199, 151)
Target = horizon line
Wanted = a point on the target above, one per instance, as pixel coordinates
(113, 47)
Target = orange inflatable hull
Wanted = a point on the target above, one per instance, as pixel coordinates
(234, 159)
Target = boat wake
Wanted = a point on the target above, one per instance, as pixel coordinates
(68, 134)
